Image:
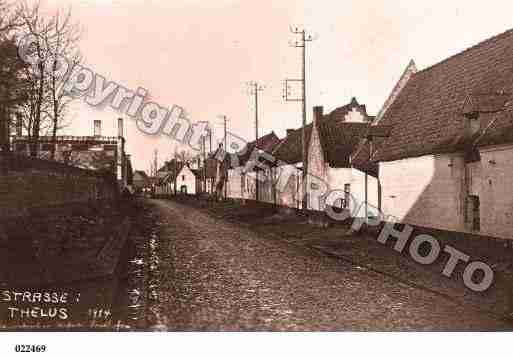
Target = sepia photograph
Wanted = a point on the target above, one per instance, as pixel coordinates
(256, 178)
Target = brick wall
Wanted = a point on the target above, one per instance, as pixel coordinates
(27, 183)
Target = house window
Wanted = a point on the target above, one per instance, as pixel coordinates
(347, 195)
(183, 178)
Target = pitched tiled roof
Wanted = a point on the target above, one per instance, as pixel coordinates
(142, 174)
(170, 166)
(169, 171)
(340, 113)
(338, 137)
(360, 159)
(266, 143)
(373, 139)
(197, 173)
(427, 115)
(497, 129)
(339, 140)
(289, 150)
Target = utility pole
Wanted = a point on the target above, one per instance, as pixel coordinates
(204, 165)
(210, 153)
(225, 120)
(304, 39)
(254, 89)
(155, 161)
(210, 139)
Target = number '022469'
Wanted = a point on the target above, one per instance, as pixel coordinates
(28, 348)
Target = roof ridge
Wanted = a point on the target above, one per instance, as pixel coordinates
(463, 52)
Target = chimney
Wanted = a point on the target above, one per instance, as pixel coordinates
(120, 127)
(19, 125)
(289, 131)
(318, 114)
(97, 128)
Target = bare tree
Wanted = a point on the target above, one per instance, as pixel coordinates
(35, 24)
(62, 44)
(9, 19)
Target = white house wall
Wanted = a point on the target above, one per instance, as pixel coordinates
(357, 190)
(188, 179)
(496, 191)
(288, 184)
(425, 191)
(234, 187)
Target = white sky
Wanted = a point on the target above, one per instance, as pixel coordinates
(199, 54)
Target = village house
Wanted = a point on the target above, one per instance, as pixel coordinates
(179, 179)
(211, 172)
(213, 175)
(448, 161)
(167, 168)
(186, 180)
(163, 186)
(242, 178)
(331, 140)
(140, 181)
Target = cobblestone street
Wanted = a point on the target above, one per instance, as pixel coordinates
(216, 275)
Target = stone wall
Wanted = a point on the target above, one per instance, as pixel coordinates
(28, 183)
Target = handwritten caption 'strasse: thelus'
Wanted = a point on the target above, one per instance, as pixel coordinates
(36, 305)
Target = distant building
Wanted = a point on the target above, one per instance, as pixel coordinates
(242, 178)
(186, 180)
(95, 152)
(180, 179)
(141, 181)
(212, 175)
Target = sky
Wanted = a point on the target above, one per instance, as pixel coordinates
(200, 54)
